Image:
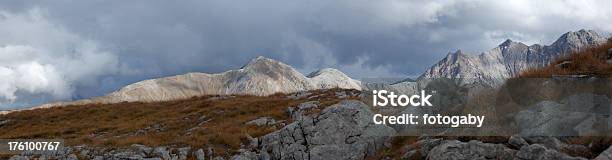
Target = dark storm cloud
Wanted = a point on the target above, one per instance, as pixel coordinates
(153, 38)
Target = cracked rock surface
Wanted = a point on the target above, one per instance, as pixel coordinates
(341, 131)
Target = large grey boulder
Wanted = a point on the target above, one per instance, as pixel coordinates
(453, 149)
(575, 115)
(341, 131)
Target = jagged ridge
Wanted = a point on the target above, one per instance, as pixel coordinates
(508, 59)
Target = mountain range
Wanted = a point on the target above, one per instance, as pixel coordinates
(263, 76)
(508, 59)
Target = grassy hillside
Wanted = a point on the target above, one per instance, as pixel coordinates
(210, 121)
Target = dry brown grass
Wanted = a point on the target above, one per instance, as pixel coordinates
(590, 61)
(117, 125)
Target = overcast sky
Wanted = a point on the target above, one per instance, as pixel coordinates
(70, 49)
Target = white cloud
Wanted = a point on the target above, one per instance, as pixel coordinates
(39, 57)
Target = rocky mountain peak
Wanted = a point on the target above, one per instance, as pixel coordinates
(454, 56)
(507, 42)
(325, 71)
(263, 62)
(578, 40)
(332, 78)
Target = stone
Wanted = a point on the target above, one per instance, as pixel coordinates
(18, 157)
(3, 122)
(183, 153)
(411, 155)
(253, 142)
(247, 155)
(199, 154)
(142, 149)
(607, 154)
(299, 95)
(517, 142)
(127, 155)
(84, 153)
(426, 144)
(262, 121)
(341, 94)
(162, 152)
(577, 150)
(538, 151)
(264, 155)
(453, 149)
(550, 142)
(298, 112)
(218, 158)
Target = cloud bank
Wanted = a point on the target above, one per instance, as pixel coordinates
(38, 57)
(65, 49)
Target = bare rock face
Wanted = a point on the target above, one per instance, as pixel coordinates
(341, 131)
(508, 59)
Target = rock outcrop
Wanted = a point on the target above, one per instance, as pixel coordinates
(453, 149)
(577, 115)
(341, 131)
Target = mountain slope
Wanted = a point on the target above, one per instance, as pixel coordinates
(261, 76)
(332, 78)
(508, 59)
